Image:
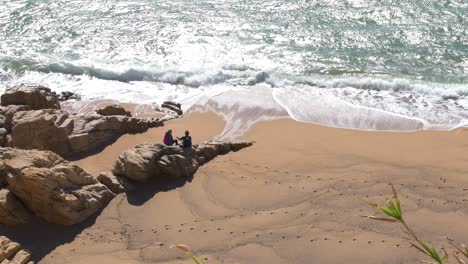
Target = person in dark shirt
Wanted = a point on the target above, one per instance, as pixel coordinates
(186, 140)
(168, 139)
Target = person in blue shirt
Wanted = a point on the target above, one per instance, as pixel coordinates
(186, 140)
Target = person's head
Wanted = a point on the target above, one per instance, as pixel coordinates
(187, 133)
(169, 131)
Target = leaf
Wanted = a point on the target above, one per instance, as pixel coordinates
(380, 218)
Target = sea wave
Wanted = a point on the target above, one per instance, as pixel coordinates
(358, 102)
(235, 74)
(231, 75)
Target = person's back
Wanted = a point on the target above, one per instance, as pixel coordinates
(186, 140)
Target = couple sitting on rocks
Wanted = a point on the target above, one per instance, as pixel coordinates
(186, 140)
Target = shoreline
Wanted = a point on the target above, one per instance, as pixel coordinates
(295, 195)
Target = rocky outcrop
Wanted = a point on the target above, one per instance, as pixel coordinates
(12, 211)
(115, 184)
(52, 188)
(174, 107)
(35, 97)
(65, 96)
(67, 134)
(31, 118)
(111, 110)
(6, 115)
(154, 160)
(11, 252)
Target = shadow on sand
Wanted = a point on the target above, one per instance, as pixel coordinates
(40, 238)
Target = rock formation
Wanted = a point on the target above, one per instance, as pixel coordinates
(113, 110)
(154, 160)
(115, 184)
(58, 130)
(50, 187)
(174, 107)
(65, 96)
(36, 97)
(11, 252)
(12, 211)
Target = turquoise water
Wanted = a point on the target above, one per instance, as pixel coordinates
(389, 49)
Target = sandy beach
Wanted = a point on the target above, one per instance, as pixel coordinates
(296, 196)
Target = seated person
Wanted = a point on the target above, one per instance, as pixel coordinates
(186, 140)
(168, 139)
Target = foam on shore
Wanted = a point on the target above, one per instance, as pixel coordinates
(245, 96)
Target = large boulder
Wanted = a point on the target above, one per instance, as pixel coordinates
(66, 134)
(12, 211)
(36, 97)
(41, 129)
(54, 189)
(155, 160)
(113, 110)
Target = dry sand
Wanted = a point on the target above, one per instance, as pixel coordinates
(294, 197)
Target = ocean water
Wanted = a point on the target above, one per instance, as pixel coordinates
(377, 65)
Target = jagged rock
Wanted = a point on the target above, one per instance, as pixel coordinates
(8, 112)
(177, 165)
(65, 96)
(12, 211)
(138, 163)
(111, 181)
(56, 190)
(41, 129)
(7, 248)
(175, 107)
(113, 110)
(22, 257)
(36, 97)
(154, 160)
(11, 252)
(66, 134)
(3, 134)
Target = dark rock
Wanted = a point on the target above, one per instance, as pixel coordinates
(111, 110)
(175, 107)
(65, 96)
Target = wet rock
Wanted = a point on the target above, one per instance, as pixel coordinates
(54, 189)
(113, 110)
(157, 160)
(35, 97)
(12, 211)
(65, 96)
(175, 107)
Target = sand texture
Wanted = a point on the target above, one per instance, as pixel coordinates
(294, 197)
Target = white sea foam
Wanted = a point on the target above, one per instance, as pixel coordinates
(245, 96)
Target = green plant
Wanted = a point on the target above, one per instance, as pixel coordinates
(392, 208)
(189, 253)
